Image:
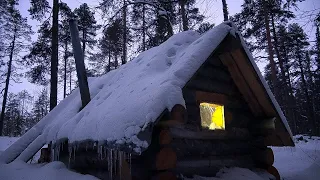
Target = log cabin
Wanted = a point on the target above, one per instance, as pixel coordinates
(193, 105)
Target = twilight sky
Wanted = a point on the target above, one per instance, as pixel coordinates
(212, 9)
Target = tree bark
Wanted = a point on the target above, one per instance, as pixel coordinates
(270, 51)
(225, 10)
(308, 99)
(70, 78)
(65, 69)
(83, 43)
(5, 95)
(143, 28)
(289, 99)
(54, 56)
(124, 44)
(184, 15)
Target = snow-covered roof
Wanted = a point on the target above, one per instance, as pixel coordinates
(127, 101)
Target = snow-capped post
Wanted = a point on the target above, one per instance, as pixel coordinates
(79, 58)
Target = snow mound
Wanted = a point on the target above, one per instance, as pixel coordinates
(6, 141)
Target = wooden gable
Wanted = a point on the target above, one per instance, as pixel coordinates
(229, 78)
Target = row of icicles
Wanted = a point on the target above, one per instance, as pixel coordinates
(114, 158)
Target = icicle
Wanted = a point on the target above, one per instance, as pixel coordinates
(130, 162)
(100, 152)
(120, 163)
(74, 153)
(111, 163)
(70, 154)
(115, 160)
(58, 153)
(105, 152)
(86, 147)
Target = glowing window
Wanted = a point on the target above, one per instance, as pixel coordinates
(212, 116)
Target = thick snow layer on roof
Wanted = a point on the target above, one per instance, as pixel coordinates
(125, 101)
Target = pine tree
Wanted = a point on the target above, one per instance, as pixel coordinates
(87, 26)
(40, 108)
(225, 10)
(65, 42)
(13, 120)
(298, 49)
(38, 60)
(17, 31)
(38, 10)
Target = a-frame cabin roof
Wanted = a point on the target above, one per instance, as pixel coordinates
(126, 102)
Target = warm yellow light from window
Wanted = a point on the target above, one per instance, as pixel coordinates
(212, 116)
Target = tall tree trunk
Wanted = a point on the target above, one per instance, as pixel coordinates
(143, 28)
(65, 69)
(54, 56)
(270, 51)
(109, 58)
(183, 15)
(311, 120)
(70, 78)
(225, 10)
(5, 95)
(124, 43)
(289, 99)
(84, 43)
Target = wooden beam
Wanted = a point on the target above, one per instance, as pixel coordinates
(165, 137)
(208, 85)
(79, 59)
(209, 166)
(264, 158)
(214, 73)
(235, 134)
(243, 87)
(252, 79)
(178, 113)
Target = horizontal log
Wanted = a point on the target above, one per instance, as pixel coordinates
(227, 101)
(165, 176)
(263, 157)
(166, 158)
(207, 85)
(236, 134)
(263, 127)
(214, 73)
(165, 137)
(178, 113)
(272, 170)
(209, 166)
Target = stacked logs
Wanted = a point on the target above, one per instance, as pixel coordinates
(166, 158)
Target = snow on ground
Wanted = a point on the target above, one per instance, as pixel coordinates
(236, 173)
(293, 163)
(300, 162)
(51, 171)
(5, 142)
(19, 170)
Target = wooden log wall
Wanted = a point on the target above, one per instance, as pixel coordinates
(213, 84)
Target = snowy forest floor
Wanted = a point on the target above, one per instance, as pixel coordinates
(293, 163)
